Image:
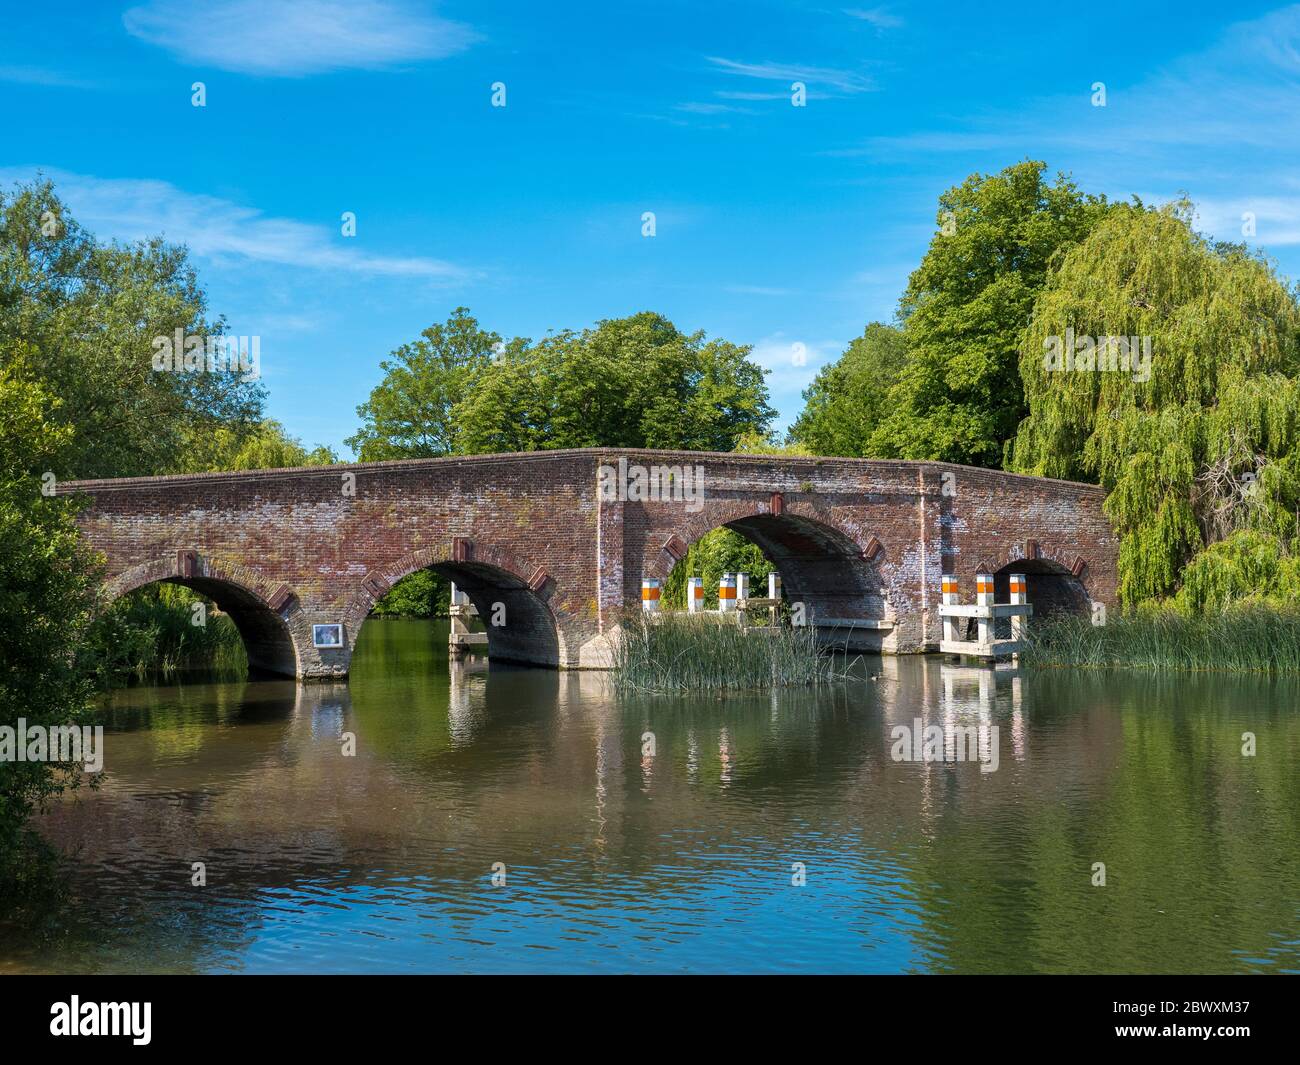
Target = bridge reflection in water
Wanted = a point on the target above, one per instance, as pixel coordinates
(683, 859)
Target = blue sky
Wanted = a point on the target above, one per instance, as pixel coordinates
(776, 225)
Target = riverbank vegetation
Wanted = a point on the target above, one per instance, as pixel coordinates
(692, 652)
(1245, 638)
(161, 631)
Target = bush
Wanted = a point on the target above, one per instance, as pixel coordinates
(150, 633)
(422, 594)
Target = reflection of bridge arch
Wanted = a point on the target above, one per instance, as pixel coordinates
(488, 575)
(265, 614)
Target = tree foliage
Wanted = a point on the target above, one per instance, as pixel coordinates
(47, 582)
(264, 446)
(1208, 444)
(88, 313)
(422, 594)
(410, 413)
(627, 382)
(715, 553)
(849, 399)
(1247, 566)
(958, 397)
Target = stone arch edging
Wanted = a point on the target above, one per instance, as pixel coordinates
(1070, 560)
(376, 584)
(275, 596)
(869, 549)
(191, 564)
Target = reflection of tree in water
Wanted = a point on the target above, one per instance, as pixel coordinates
(458, 768)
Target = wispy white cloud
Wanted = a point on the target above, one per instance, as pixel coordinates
(793, 361)
(759, 290)
(1242, 90)
(132, 209)
(697, 108)
(41, 76)
(845, 81)
(1275, 219)
(879, 17)
(729, 95)
(293, 38)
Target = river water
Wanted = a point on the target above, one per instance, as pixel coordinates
(520, 820)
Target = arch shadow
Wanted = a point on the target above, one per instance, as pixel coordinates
(838, 580)
(512, 599)
(1050, 587)
(259, 610)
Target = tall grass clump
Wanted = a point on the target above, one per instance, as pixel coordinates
(1245, 638)
(691, 652)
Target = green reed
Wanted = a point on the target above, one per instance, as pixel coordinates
(1243, 639)
(692, 652)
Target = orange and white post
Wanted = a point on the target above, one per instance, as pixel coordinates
(694, 594)
(650, 595)
(727, 593)
(950, 599)
(984, 597)
(1018, 597)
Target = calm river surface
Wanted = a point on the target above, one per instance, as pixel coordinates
(685, 861)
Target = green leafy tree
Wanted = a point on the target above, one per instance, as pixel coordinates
(89, 313)
(850, 398)
(422, 594)
(263, 446)
(958, 398)
(628, 382)
(1199, 442)
(756, 443)
(713, 554)
(410, 412)
(1247, 565)
(47, 582)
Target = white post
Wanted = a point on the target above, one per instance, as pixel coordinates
(727, 593)
(1018, 595)
(650, 595)
(949, 599)
(774, 592)
(694, 594)
(458, 627)
(984, 597)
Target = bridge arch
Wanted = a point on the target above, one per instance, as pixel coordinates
(838, 574)
(1055, 578)
(1050, 588)
(267, 615)
(530, 632)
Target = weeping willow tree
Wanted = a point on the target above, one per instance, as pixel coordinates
(1164, 368)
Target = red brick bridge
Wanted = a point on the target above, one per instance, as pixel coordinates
(564, 548)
